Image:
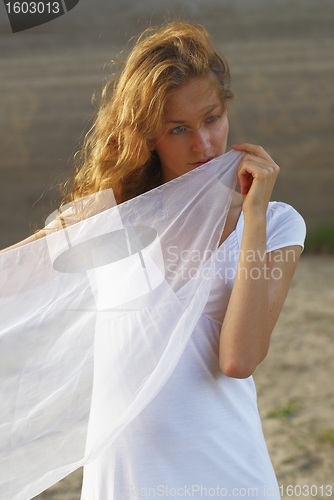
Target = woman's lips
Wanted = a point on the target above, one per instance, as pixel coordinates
(201, 162)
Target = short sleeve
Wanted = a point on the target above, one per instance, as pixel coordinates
(285, 227)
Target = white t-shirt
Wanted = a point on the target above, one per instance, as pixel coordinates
(201, 436)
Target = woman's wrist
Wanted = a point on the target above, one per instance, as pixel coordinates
(255, 218)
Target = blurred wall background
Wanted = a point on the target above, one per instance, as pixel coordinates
(281, 58)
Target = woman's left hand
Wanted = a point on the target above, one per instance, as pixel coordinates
(256, 175)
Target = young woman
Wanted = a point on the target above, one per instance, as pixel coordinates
(164, 116)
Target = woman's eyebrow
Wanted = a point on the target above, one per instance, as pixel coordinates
(207, 112)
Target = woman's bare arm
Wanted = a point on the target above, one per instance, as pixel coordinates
(259, 292)
(30, 239)
(254, 308)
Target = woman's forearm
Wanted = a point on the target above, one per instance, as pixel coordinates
(246, 329)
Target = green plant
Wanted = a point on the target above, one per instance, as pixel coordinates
(327, 436)
(320, 239)
(290, 460)
(286, 411)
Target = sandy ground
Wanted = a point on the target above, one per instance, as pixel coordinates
(295, 389)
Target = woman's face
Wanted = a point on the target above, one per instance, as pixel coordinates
(195, 128)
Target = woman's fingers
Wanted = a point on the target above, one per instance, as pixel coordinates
(245, 180)
(253, 167)
(256, 174)
(253, 149)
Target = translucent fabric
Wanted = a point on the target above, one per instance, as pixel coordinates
(95, 316)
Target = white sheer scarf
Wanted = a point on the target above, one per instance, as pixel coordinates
(93, 323)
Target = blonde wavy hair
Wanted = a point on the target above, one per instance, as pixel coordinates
(116, 152)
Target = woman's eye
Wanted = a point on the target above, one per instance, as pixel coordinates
(212, 119)
(177, 130)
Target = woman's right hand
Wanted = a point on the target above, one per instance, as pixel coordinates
(256, 175)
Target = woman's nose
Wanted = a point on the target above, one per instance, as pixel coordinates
(201, 141)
